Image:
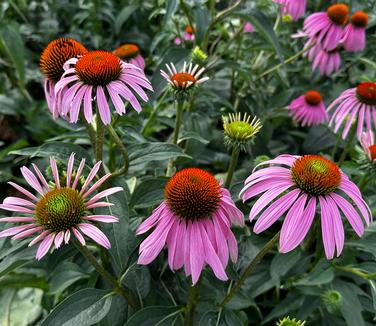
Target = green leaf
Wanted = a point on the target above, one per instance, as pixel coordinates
(124, 14)
(154, 315)
(148, 193)
(202, 18)
(122, 239)
(85, 307)
(193, 135)
(15, 260)
(321, 274)
(351, 308)
(281, 264)
(65, 275)
(171, 6)
(263, 27)
(138, 279)
(147, 152)
(59, 150)
(12, 45)
(23, 280)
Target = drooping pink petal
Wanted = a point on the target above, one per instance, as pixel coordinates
(327, 229)
(45, 246)
(102, 218)
(95, 234)
(78, 236)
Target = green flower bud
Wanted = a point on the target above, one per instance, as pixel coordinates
(287, 19)
(198, 56)
(287, 321)
(332, 300)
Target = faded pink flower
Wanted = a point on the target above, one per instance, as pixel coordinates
(354, 35)
(294, 8)
(327, 62)
(59, 210)
(248, 28)
(194, 221)
(297, 185)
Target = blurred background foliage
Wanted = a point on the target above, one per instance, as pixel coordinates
(294, 284)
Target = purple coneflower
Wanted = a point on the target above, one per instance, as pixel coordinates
(51, 64)
(130, 53)
(327, 62)
(296, 185)
(326, 27)
(354, 35)
(294, 8)
(367, 140)
(185, 79)
(189, 34)
(194, 221)
(59, 210)
(355, 104)
(98, 74)
(308, 109)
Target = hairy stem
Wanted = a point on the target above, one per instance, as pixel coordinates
(249, 269)
(114, 136)
(348, 145)
(191, 304)
(179, 114)
(231, 167)
(105, 274)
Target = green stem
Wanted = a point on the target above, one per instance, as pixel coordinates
(288, 60)
(105, 274)
(91, 132)
(179, 114)
(231, 167)
(363, 182)
(357, 272)
(249, 269)
(347, 148)
(191, 304)
(335, 148)
(114, 136)
(99, 139)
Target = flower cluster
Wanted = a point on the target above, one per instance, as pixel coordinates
(76, 78)
(328, 32)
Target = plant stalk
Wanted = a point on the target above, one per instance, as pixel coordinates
(232, 167)
(114, 136)
(105, 274)
(249, 269)
(191, 305)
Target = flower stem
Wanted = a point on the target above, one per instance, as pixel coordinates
(122, 150)
(106, 275)
(249, 269)
(191, 304)
(179, 114)
(231, 168)
(335, 148)
(99, 140)
(288, 60)
(348, 146)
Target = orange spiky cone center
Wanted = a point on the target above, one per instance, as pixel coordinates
(338, 13)
(313, 97)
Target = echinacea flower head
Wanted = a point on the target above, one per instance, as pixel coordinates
(332, 300)
(287, 321)
(240, 131)
(51, 65)
(355, 105)
(327, 62)
(297, 185)
(326, 27)
(367, 157)
(194, 221)
(354, 35)
(293, 8)
(184, 81)
(308, 109)
(103, 76)
(189, 33)
(61, 209)
(130, 53)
